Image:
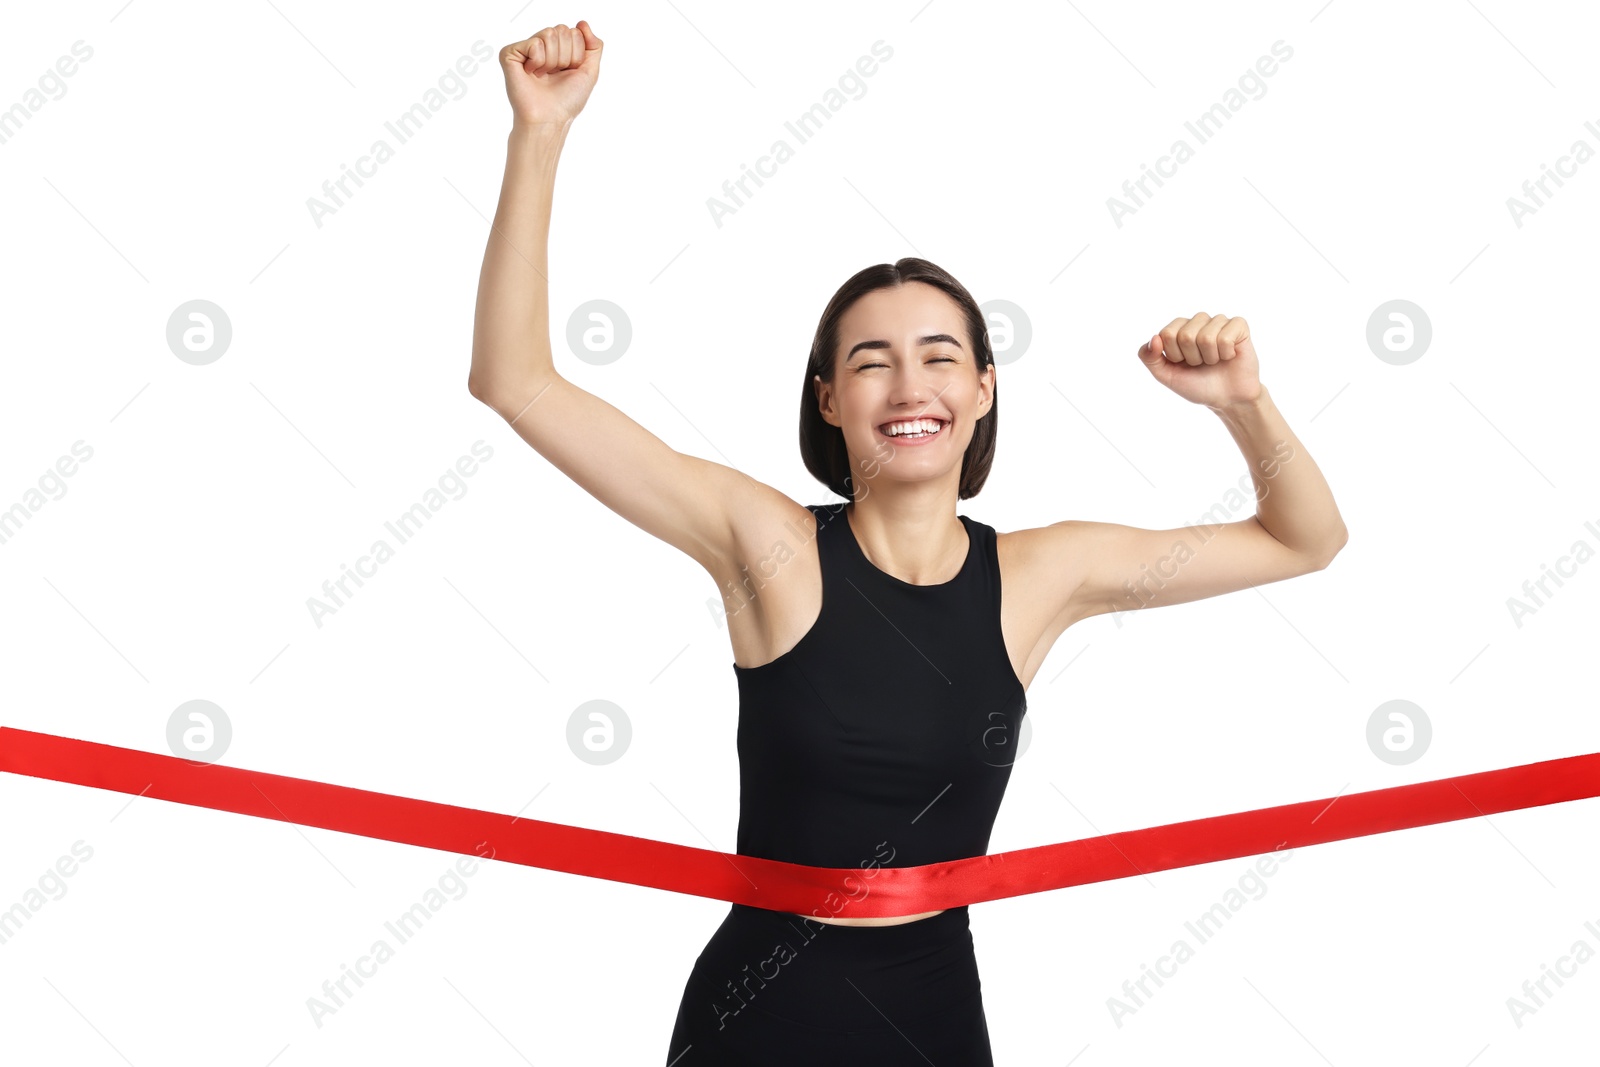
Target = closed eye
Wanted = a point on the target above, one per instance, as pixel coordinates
(936, 359)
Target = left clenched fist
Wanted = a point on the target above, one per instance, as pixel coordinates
(1206, 359)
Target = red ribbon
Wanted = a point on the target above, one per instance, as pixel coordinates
(774, 884)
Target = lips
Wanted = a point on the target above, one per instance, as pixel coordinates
(924, 436)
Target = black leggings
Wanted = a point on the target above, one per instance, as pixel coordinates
(774, 988)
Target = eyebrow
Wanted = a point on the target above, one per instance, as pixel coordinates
(930, 339)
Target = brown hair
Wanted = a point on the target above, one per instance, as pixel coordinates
(822, 445)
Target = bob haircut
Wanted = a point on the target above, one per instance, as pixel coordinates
(822, 445)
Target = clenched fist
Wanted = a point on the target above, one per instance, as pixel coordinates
(549, 76)
(1206, 359)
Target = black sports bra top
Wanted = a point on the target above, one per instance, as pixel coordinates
(887, 733)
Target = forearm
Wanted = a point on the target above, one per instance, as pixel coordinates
(1294, 503)
(511, 327)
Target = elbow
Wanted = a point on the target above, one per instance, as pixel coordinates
(509, 397)
(481, 379)
(492, 399)
(477, 390)
(489, 397)
(486, 382)
(1325, 557)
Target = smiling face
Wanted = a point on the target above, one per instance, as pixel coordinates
(905, 356)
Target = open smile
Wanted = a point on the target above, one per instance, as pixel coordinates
(913, 431)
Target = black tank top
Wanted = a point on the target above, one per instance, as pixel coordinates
(893, 722)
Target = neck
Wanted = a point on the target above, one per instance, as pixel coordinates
(919, 542)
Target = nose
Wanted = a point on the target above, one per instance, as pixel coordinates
(914, 391)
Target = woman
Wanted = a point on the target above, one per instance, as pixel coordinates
(881, 675)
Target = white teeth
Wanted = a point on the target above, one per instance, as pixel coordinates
(912, 428)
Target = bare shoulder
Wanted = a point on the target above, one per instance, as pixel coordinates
(740, 512)
(1025, 546)
(770, 579)
(765, 525)
(1037, 576)
(1036, 559)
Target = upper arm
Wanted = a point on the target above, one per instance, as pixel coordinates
(1095, 567)
(693, 504)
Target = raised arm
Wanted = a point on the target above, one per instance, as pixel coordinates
(683, 500)
(1094, 567)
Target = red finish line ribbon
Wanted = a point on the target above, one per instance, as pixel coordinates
(774, 884)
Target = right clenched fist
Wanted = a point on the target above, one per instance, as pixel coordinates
(549, 76)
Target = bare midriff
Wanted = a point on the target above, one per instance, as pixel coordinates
(882, 920)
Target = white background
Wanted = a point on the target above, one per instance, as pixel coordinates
(219, 498)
